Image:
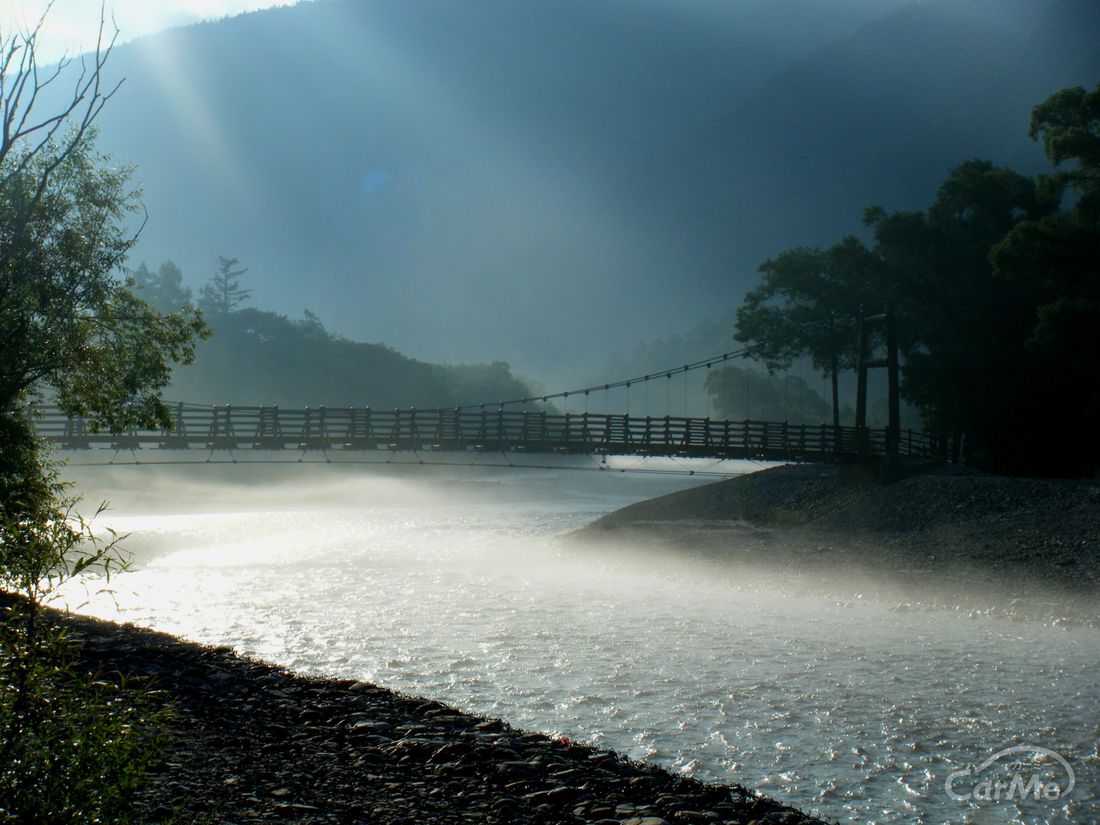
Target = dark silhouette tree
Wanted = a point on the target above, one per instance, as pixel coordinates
(996, 288)
(962, 328)
(808, 305)
(1061, 248)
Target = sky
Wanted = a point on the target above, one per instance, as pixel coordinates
(71, 25)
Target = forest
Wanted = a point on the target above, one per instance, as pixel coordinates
(261, 357)
(996, 287)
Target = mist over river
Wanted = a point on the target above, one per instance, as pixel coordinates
(456, 584)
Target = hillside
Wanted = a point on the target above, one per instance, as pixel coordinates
(258, 357)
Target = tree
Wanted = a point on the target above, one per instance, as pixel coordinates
(70, 329)
(68, 323)
(962, 328)
(163, 289)
(1068, 123)
(738, 392)
(996, 287)
(223, 293)
(809, 305)
(1060, 248)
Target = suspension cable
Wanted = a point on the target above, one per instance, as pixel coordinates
(626, 382)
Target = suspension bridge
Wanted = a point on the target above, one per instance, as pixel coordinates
(237, 428)
(504, 427)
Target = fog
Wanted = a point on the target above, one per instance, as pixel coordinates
(841, 697)
(480, 206)
(537, 183)
(180, 483)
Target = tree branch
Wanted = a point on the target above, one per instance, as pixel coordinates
(20, 100)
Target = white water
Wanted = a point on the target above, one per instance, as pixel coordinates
(460, 589)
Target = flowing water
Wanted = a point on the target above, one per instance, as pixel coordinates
(461, 588)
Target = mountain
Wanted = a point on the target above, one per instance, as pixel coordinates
(543, 183)
(876, 117)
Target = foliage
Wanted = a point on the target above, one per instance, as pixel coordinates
(66, 320)
(996, 287)
(72, 747)
(80, 761)
(961, 328)
(163, 290)
(1068, 122)
(223, 293)
(737, 392)
(809, 304)
(1060, 250)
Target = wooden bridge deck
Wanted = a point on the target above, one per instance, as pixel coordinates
(497, 430)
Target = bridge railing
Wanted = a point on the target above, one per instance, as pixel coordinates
(231, 427)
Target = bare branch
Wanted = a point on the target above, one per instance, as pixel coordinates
(19, 101)
(19, 128)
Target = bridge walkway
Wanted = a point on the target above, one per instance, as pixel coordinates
(232, 428)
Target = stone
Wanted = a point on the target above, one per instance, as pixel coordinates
(693, 817)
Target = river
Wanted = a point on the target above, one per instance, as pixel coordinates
(456, 584)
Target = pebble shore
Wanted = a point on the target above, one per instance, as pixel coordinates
(248, 742)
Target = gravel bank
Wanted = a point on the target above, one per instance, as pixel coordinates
(249, 742)
(941, 536)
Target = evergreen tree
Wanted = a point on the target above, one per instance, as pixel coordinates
(223, 294)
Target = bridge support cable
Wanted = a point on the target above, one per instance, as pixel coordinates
(704, 363)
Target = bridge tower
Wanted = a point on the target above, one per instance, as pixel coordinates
(890, 362)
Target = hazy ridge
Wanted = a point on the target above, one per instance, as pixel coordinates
(513, 181)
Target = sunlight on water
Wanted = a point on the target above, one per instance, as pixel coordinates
(854, 711)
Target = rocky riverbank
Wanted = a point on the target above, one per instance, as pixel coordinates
(248, 742)
(932, 537)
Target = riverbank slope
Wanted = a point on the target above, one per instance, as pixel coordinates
(936, 536)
